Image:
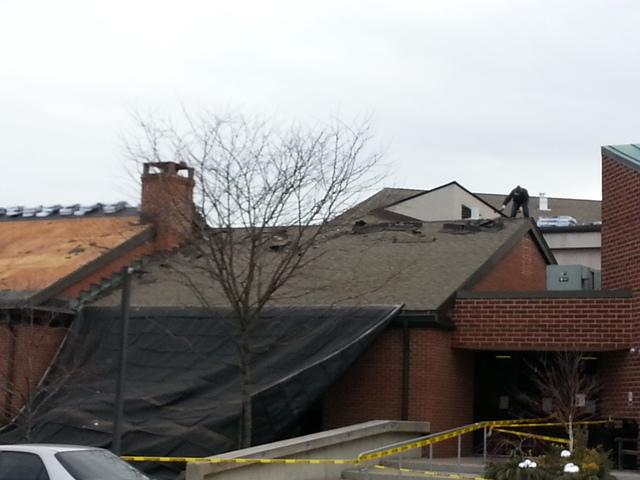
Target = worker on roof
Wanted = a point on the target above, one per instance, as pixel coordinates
(520, 198)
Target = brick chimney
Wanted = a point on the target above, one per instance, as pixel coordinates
(167, 201)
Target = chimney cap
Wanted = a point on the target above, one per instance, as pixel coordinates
(171, 168)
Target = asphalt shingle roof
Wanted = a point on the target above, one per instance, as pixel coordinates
(420, 270)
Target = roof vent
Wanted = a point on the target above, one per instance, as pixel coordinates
(543, 205)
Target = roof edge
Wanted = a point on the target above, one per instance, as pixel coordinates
(454, 182)
(618, 153)
(94, 265)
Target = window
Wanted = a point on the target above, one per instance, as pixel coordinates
(22, 466)
(97, 464)
(465, 212)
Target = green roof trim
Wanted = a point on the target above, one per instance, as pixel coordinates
(626, 154)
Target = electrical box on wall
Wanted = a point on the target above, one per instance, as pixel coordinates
(572, 277)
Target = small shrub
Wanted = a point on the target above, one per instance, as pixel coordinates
(594, 464)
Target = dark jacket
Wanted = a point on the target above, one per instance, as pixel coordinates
(519, 195)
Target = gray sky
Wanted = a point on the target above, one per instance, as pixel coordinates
(489, 93)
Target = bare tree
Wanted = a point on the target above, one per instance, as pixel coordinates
(564, 389)
(34, 340)
(259, 188)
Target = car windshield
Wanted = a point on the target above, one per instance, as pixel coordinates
(97, 465)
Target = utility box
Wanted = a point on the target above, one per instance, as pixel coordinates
(571, 277)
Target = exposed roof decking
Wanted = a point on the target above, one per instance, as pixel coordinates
(36, 254)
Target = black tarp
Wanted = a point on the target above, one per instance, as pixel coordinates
(182, 390)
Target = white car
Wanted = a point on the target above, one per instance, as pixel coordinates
(63, 462)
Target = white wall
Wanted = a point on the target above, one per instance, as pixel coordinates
(442, 204)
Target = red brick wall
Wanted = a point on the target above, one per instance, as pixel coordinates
(440, 385)
(5, 362)
(35, 346)
(586, 324)
(620, 226)
(620, 373)
(522, 269)
(371, 389)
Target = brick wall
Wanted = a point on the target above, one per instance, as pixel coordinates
(542, 323)
(621, 269)
(620, 373)
(620, 226)
(521, 269)
(6, 344)
(440, 385)
(34, 348)
(371, 389)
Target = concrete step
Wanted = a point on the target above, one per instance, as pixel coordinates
(381, 472)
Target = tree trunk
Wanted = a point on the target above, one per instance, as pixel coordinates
(570, 431)
(246, 417)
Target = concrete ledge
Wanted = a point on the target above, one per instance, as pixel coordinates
(339, 443)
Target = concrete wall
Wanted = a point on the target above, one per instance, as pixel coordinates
(341, 443)
(575, 248)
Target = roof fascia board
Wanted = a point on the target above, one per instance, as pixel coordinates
(94, 265)
(441, 187)
(541, 243)
(419, 194)
(482, 200)
(610, 151)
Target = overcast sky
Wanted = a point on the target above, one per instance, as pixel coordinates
(489, 93)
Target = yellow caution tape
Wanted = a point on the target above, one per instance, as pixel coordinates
(532, 435)
(536, 422)
(558, 424)
(308, 461)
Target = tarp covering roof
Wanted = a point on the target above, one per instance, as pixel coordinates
(182, 391)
